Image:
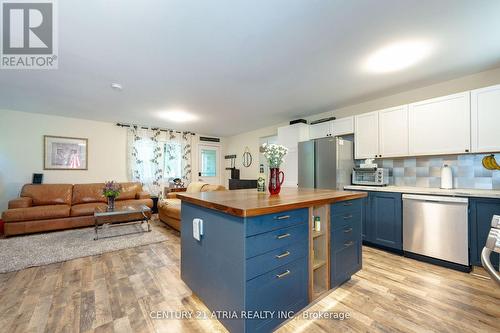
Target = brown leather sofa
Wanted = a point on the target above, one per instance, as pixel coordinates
(169, 209)
(48, 207)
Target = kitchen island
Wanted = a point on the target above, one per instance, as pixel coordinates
(255, 259)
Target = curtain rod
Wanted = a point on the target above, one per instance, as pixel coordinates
(161, 129)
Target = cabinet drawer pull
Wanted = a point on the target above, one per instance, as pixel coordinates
(283, 255)
(282, 275)
(346, 231)
(347, 204)
(282, 217)
(347, 217)
(350, 243)
(283, 236)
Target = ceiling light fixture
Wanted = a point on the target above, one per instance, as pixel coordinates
(178, 116)
(397, 56)
(116, 86)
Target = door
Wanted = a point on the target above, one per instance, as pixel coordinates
(393, 131)
(366, 135)
(480, 214)
(325, 165)
(485, 117)
(385, 220)
(440, 125)
(321, 130)
(208, 164)
(306, 164)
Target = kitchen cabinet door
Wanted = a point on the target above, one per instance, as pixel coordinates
(342, 126)
(481, 210)
(485, 119)
(385, 220)
(393, 131)
(440, 125)
(366, 135)
(321, 130)
(290, 136)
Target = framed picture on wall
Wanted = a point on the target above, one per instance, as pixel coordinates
(63, 153)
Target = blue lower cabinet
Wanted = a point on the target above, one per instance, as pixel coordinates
(385, 220)
(277, 292)
(481, 210)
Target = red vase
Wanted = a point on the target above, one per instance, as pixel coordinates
(275, 181)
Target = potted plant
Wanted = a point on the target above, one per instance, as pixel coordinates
(275, 155)
(111, 191)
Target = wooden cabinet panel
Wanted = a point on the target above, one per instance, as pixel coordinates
(393, 131)
(485, 119)
(440, 125)
(366, 135)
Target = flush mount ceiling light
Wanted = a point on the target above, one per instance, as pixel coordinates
(178, 116)
(116, 86)
(397, 56)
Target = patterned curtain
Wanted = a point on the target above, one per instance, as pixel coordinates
(155, 157)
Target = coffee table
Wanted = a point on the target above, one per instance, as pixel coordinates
(120, 216)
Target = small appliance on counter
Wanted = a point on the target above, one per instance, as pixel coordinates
(446, 177)
(372, 176)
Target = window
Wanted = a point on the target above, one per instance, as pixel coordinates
(173, 160)
(208, 163)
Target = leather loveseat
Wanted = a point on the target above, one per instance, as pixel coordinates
(169, 209)
(48, 207)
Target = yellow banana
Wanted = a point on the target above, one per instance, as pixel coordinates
(487, 163)
(494, 162)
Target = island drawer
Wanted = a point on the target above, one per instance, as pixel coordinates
(346, 236)
(346, 207)
(275, 239)
(264, 223)
(270, 260)
(282, 289)
(346, 219)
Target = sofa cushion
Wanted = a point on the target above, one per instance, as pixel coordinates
(212, 188)
(48, 194)
(171, 208)
(129, 191)
(22, 202)
(86, 208)
(86, 193)
(147, 202)
(195, 187)
(36, 213)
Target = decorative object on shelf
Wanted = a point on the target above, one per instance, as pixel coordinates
(247, 158)
(275, 155)
(317, 223)
(177, 183)
(65, 153)
(111, 191)
(490, 163)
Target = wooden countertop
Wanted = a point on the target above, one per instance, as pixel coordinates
(246, 203)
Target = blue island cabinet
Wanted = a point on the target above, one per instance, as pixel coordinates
(259, 266)
(481, 210)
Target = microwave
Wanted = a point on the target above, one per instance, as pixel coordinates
(370, 176)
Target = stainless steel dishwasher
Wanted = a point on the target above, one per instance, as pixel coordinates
(436, 227)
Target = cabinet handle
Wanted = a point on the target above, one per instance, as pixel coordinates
(347, 203)
(349, 244)
(346, 231)
(347, 217)
(282, 217)
(283, 255)
(282, 275)
(283, 236)
(466, 150)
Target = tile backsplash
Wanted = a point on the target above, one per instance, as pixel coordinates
(425, 171)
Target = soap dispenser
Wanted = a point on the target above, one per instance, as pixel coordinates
(446, 177)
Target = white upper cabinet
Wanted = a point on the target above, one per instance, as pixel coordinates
(343, 126)
(320, 130)
(440, 125)
(393, 131)
(485, 119)
(366, 135)
(290, 136)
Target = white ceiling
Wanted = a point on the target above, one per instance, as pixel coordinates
(240, 65)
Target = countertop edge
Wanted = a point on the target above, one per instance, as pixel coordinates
(271, 209)
(471, 193)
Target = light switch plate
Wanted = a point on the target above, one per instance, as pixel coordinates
(197, 228)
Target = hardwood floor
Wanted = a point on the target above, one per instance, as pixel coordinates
(118, 292)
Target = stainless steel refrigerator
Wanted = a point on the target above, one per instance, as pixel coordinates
(325, 163)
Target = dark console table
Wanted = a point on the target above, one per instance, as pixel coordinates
(239, 184)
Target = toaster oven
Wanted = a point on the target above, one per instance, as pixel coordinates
(370, 176)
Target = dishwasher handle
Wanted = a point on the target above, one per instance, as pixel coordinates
(435, 198)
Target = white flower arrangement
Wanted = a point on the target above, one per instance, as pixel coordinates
(274, 154)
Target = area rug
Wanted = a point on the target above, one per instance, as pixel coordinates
(41, 249)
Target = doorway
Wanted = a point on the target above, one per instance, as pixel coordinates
(208, 164)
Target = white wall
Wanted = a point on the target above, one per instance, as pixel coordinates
(21, 151)
(236, 144)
